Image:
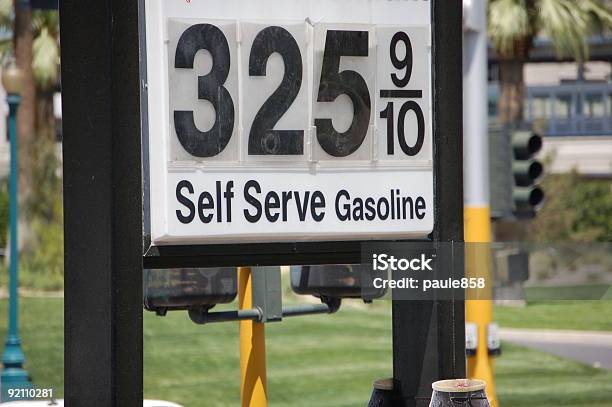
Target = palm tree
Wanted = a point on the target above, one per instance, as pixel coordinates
(33, 37)
(513, 25)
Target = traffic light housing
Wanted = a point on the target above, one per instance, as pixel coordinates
(188, 288)
(514, 173)
(527, 195)
(336, 281)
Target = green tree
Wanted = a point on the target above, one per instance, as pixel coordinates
(513, 25)
(576, 210)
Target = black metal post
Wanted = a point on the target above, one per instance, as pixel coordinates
(102, 203)
(429, 337)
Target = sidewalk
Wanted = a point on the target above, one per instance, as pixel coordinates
(590, 347)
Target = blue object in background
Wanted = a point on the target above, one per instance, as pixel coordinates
(13, 375)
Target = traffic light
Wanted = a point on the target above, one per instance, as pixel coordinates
(514, 173)
(527, 195)
(188, 288)
(336, 281)
(501, 180)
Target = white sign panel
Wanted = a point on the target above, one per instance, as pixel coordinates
(289, 120)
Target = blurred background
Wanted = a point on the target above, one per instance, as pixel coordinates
(549, 73)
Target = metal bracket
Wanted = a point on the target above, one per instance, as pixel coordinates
(203, 316)
(267, 293)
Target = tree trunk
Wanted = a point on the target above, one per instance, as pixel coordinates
(45, 118)
(26, 116)
(23, 37)
(512, 91)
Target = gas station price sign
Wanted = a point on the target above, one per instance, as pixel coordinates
(288, 120)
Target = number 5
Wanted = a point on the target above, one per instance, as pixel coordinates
(334, 83)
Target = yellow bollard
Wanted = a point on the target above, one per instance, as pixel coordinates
(480, 312)
(253, 383)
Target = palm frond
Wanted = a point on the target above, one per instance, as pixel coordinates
(509, 25)
(600, 13)
(45, 19)
(566, 23)
(570, 23)
(6, 15)
(45, 59)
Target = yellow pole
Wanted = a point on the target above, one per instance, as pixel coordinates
(253, 383)
(480, 312)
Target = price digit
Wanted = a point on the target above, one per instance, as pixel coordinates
(405, 63)
(400, 64)
(263, 139)
(210, 87)
(334, 83)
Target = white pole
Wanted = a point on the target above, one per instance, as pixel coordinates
(475, 105)
(476, 183)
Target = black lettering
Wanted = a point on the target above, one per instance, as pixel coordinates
(272, 202)
(334, 83)
(219, 213)
(185, 201)
(420, 205)
(301, 206)
(381, 215)
(229, 195)
(210, 87)
(252, 184)
(286, 198)
(202, 206)
(408, 201)
(317, 202)
(343, 193)
(370, 209)
(263, 139)
(358, 209)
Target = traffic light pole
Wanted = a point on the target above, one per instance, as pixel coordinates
(429, 336)
(476, 184)
(253, 380)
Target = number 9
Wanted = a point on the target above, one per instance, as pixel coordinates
(400, 64)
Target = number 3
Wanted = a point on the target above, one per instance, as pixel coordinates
(210, 87)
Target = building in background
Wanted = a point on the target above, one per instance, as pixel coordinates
(570, 104)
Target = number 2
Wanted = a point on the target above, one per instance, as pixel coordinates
(263, 139)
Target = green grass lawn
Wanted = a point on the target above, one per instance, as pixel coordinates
(317, 360)
(579, 315)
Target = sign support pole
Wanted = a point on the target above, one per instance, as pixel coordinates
(429, 336)
(102, 203)
(253, 381)
(476, 188)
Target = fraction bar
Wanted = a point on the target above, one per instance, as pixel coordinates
(401, 93)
